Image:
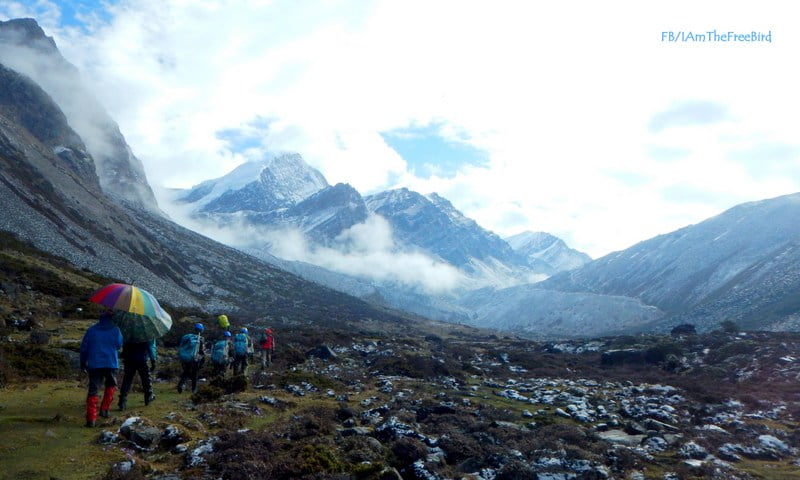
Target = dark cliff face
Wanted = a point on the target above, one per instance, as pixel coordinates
(328, 213)
(25, 31)
(25, 48)
(24, 103)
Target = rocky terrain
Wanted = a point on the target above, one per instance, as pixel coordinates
(373, 399)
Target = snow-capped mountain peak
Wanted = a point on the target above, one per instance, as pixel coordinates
(276, 182)
(548, 248)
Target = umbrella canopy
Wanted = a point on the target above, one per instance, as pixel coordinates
(139, 315)
(140, 328)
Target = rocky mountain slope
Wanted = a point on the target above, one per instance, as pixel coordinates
(26, 49)
(431, 223)
(739, 265)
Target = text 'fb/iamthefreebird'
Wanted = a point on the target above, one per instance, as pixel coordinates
(714, 36)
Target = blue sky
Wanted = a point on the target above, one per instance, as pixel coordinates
(427, 152)
(526, 115)
(74, 12)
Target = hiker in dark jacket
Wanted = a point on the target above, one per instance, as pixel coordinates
(99, 359)
(191, 354)
(135, 357)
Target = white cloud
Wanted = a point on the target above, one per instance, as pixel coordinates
(560, 96)
(366, 250)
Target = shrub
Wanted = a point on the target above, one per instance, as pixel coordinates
(729, 326)
(515, 470)
(5, 370)
(207, 393)
(683, 329)
(319, 459)
(231, 384)
(659, 352)
(407, 451)
(313, 421)
(32, 361)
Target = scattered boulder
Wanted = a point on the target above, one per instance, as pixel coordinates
(141, 436)
(108, 438)
(323, 352)
(618, 437)
(171, 437)
(683, 329)
(692, 450)
(624, 356)
(38, 337)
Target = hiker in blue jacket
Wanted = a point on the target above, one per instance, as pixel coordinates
(221, 355)
(135, 357)
(191, 354)
(242, 348)
(99, 359)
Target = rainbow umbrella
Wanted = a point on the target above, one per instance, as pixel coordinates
(138, 316)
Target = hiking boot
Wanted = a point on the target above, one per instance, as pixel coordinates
(90, 423)
(180, 388)
(123, 404)
(149, 399)
(104, 413)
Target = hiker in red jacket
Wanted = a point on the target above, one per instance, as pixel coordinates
(267, 344)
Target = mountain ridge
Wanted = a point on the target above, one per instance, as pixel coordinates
(25, 48)
(685, 271)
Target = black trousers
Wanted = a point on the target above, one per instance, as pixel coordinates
(219, 368)
(101, 377)
(131, 369)
(190, 372)
(239, 364)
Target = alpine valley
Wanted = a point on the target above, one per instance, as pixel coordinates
(410, 342)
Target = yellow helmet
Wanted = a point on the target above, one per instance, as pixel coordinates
(223, 321)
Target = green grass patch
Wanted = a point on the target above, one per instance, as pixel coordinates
(42, 434)
(770, 470)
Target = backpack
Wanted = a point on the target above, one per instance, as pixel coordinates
(219, 354)
(189, 348)
(240, 344)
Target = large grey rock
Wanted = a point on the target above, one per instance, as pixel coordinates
(692, 450)
(621, 438)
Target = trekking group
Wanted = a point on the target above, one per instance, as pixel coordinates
(99, 358)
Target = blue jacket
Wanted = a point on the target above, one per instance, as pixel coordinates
(100, 345)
